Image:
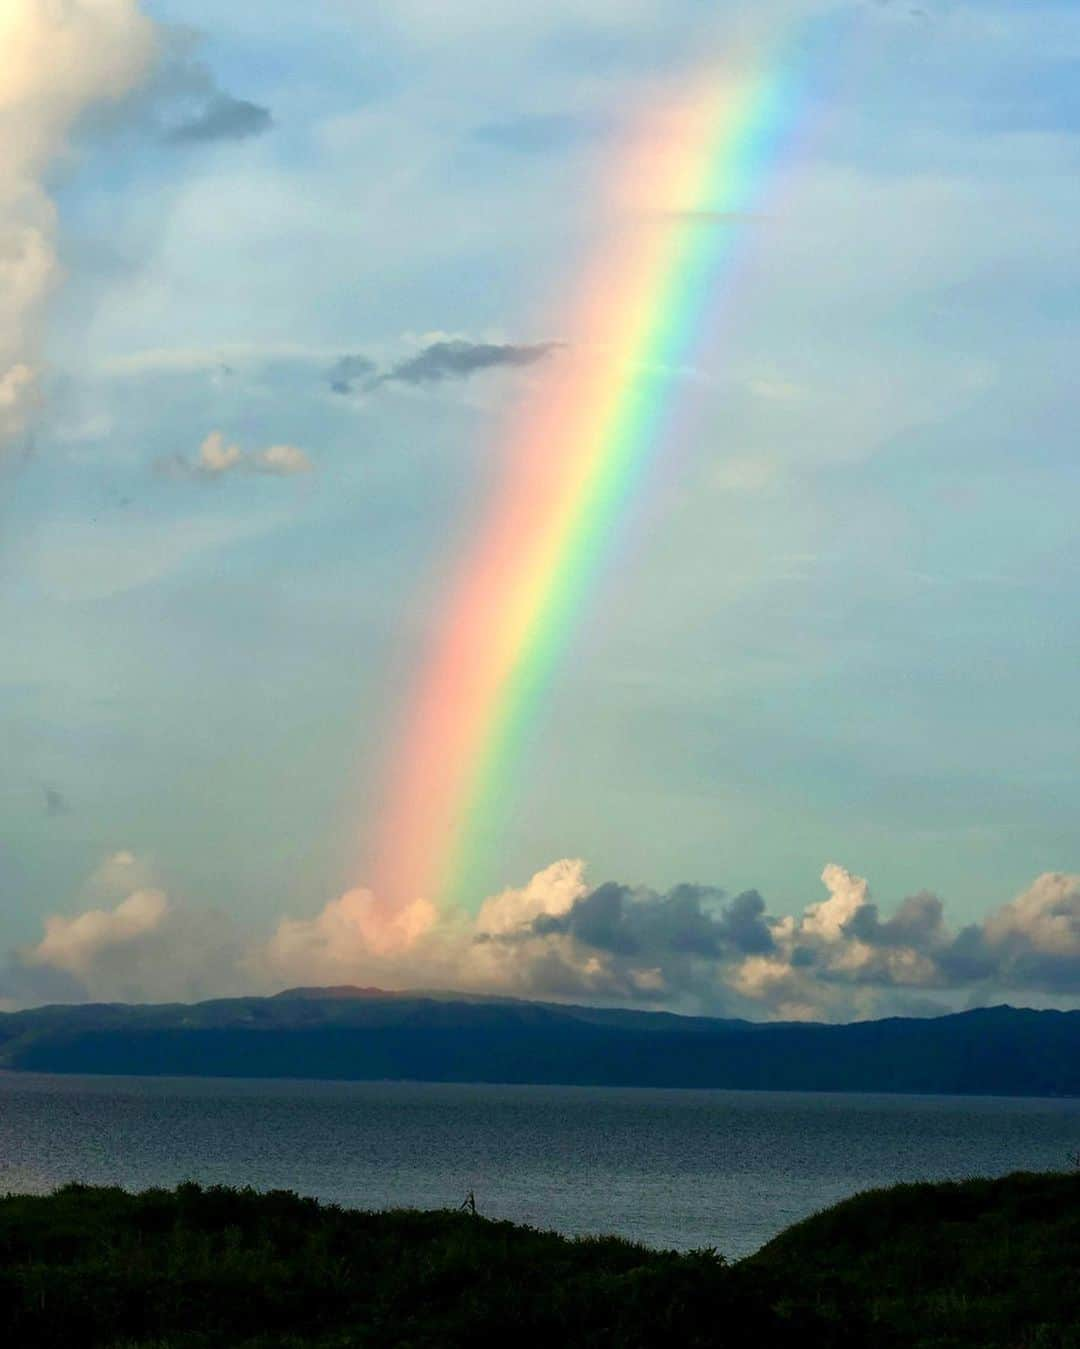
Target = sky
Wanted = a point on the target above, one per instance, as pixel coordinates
(278, 279)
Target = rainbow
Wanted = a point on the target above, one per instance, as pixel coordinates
(575, 455)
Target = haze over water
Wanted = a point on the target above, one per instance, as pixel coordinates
(680, 1169)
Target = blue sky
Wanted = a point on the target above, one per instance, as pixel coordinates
(838, 625)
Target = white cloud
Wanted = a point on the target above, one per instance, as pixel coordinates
(348, 937)
(1045, 918)
(550, 892)
(217, 457)
(77, 944)
(58, 60)
(132, 943)
(847, 894)
(283, 460)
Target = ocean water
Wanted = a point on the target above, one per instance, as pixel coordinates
(677, 1169)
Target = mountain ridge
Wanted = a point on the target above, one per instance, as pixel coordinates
(374, 1034)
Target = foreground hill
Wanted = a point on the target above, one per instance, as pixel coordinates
(978, 1265)
(367, 1035)
(977, 1262)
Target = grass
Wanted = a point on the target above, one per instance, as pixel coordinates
(991, 1264)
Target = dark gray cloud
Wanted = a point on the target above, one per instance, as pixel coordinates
(458, 359)
(918, 923)
(185, 104)
(222, 118)
(438, 362)
(690, 920)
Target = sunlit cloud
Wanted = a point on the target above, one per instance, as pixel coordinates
(59, 60)
(692, 948)
(217, 458)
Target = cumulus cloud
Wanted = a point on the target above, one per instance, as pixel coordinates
(695, 948)
(692, 948)
(77, 944)
(346, 936)
(217, 458)
(130, 942)
(59, 60)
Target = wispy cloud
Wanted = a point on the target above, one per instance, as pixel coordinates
(437, 361)
(222, 118)
(458, 359)
(351, 373)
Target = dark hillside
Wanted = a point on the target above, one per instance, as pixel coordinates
(979, 1262)
(367, 1035)
(98, 1267)
(978, 1265)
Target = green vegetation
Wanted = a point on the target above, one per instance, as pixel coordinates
(984, 1263)
(989, 1263)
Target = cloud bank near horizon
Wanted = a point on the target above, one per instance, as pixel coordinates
(693, 948)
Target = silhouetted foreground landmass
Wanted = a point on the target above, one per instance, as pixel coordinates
(364, 1034)
(977, 1265)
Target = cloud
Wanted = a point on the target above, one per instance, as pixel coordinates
(346, 936)
(186, 105)
(620, 942)
(131, 943)
(59, 60)
(223, 118)
(456, 358)
(692, 948)
(1032, 942)
(217, 458)
(437, 361)
(550, 894)
(350, 371)
(78, 944)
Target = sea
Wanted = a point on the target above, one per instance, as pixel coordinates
(670, 1169)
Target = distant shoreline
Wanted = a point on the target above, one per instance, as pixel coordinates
(27, 1074)
(989, 1052)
